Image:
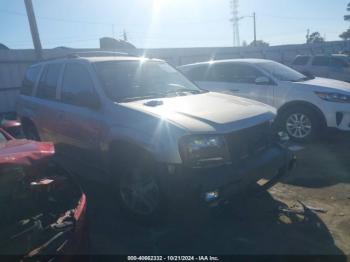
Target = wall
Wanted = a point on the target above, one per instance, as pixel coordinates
(13, 63)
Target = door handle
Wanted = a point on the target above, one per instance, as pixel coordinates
(235, 90)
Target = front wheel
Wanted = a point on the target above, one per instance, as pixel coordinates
(301, 124)
(139, 191)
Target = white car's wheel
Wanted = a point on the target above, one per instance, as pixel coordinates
(301, 123)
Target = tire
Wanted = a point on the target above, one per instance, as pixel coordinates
(30, 131)
(301, 123)
(137, 189)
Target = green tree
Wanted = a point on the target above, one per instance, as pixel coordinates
(346, 35)
(259, 43)
(314, 37)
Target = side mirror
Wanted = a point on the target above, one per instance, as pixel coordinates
(262, 80)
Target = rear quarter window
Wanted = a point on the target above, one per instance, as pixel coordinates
(29, 80)
(48, 82)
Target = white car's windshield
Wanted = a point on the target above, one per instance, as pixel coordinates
(125, 81)
(282, 72)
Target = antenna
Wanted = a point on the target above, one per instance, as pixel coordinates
(235, 19)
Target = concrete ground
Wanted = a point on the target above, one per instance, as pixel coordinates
(251, 224)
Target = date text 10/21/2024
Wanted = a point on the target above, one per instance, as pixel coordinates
(173, 258)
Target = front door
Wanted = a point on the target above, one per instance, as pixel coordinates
(81, 127)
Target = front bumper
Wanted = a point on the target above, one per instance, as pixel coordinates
(193, 185)
(337, 115)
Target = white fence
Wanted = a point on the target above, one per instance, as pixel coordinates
(13, 63)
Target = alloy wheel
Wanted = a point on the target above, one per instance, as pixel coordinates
(298, 125)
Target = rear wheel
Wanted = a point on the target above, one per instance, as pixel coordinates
(301, 123)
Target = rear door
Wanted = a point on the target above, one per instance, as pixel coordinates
(25, 106)
(45, 103)
(81, 126)
(220, 77)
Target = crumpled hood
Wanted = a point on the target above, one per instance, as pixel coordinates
(24, 152)
(326, 84)
(207, 112)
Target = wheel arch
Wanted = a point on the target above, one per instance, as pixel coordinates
(127, 149)
(295, 104)
(27, 120)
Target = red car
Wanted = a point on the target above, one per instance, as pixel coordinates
(42, 207)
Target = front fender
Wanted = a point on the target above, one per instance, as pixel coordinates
(161, 143)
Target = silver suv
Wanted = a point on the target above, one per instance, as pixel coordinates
(327, 66)
(142, 127)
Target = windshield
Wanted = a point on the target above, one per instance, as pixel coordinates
(131, 80)
(282, 72)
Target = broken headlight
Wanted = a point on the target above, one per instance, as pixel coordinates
(204, 150)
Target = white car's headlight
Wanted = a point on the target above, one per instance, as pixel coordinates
(204, 150)
(333, 97)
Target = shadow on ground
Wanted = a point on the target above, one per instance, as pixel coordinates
(249, 225)
(324, 163)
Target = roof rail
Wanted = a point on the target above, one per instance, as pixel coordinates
(88, 54)
(98, 53)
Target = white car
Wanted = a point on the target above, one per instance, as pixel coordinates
(305, 105)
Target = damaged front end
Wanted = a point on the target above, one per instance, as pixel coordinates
(42, 208)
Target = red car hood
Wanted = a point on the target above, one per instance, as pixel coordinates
(24, 152)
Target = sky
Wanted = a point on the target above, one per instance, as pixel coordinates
(168, 23)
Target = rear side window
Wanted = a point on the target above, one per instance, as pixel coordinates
(198, 73)
(30, 80)
(301, 60)
(234, 73)
(338, 62)
(320, 61)
(48, 82)
(76, 83)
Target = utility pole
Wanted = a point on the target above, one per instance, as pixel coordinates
(113, 31)
(125, 36)
(254, 18)
(235, 19)
(307, 35)
(33, 29)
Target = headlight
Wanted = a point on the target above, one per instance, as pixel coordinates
(333, 97)
(204, 150)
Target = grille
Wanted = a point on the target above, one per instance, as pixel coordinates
(248, 142)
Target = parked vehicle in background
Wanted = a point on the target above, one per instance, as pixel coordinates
(328, 66)
(42, 208)
(305, 105)
(140, 126)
